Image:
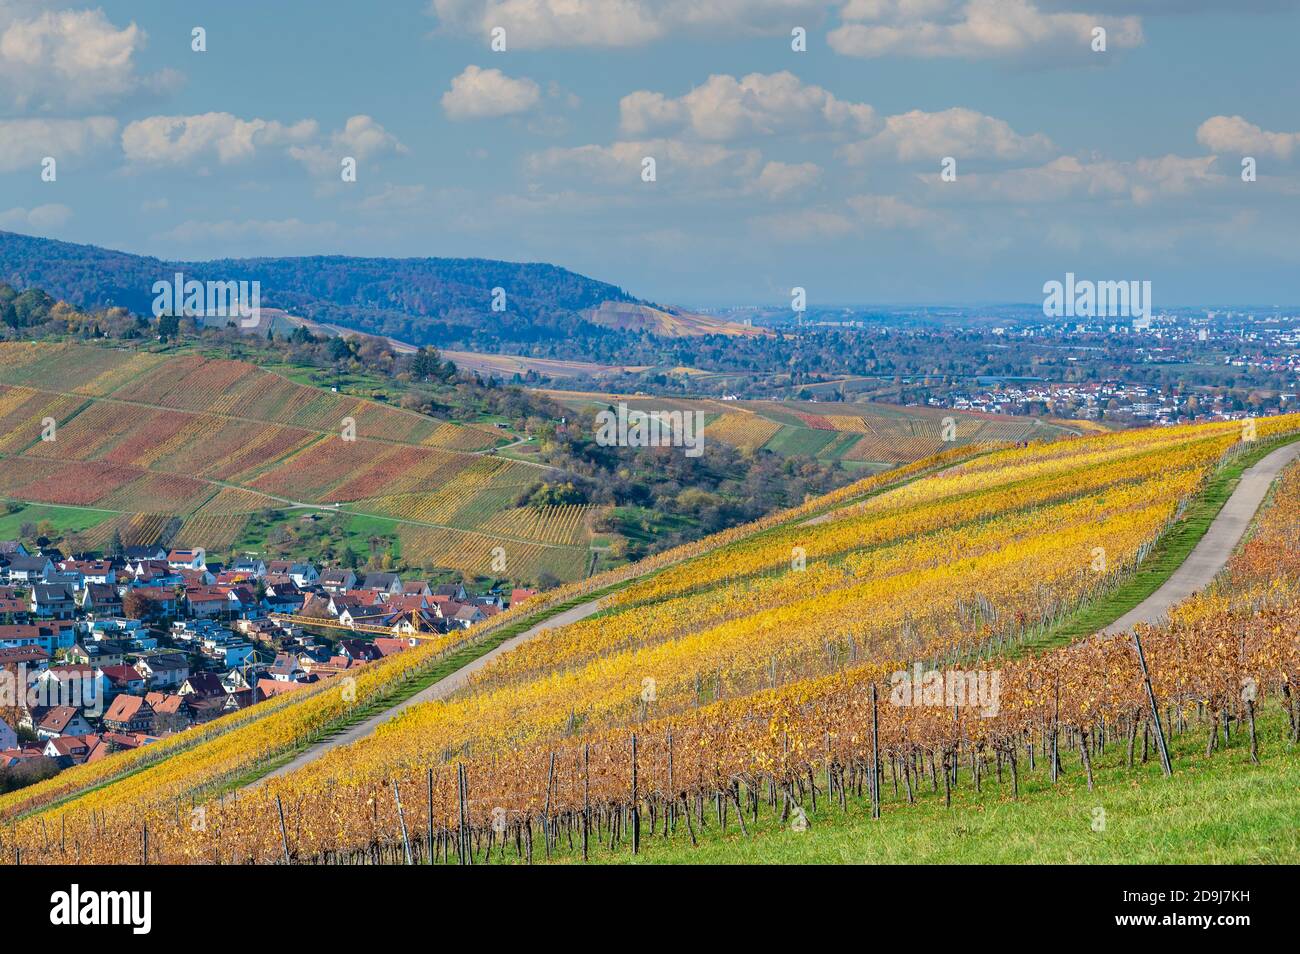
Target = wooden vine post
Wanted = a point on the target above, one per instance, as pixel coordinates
(586, 797)
(1165, 764)
(546, 818)
(284, 835)
(429, 830)
(401, 820)
(875, 752)
(636, 812)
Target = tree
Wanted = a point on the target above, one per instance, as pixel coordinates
(169, 327)
(557, 495)
(135, 606)
(425, 364)
(75, 541)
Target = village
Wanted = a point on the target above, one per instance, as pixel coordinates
(102, 654)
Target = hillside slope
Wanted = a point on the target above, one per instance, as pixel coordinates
(746, 659)
(437, 301)
(192, 448)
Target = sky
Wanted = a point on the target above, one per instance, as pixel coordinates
(774, 167)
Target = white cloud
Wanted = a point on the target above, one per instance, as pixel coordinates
(974, 29)
(725, 108)
(961, 133)
(364, 138)
(1233, 135)
(481, 94)
(1141, 180)
(70, 58)
(25, 142)
(676, 162)
(179, 140)
(779, 180)
(536, 24)
(40, 218)
(857, 215)
(361, 138)
(395, 198)
(888, 212)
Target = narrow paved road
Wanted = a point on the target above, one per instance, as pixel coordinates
(1216, 547)
(438, 690)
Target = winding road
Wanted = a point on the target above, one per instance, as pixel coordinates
(1215, 548)
(1197, 571)
(438, 690)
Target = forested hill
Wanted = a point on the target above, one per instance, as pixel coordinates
(421, 300)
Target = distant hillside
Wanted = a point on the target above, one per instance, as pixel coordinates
(420, 300)
(664, 322)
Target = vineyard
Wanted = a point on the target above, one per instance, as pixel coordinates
(741, 430)
(760, 669)
(191, 447)
(876, 434)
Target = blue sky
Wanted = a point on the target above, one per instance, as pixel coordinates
(774, 168)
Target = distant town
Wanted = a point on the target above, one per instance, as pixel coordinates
(102, 654)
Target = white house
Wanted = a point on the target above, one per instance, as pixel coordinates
(59, 721)
(195, 559)
(303, 574)
(163, 670)
(338, 580)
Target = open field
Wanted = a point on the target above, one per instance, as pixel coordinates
(194, 446)
(742, 665)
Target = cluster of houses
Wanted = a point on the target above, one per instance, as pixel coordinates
(99, 654)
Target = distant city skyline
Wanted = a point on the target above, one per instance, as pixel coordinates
(773, 167)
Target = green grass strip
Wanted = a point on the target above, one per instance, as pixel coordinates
(1171, 550)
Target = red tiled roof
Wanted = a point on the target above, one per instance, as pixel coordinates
(126, 708)
(274, 687)
(57, 718)
(164, 703)
(122, 674)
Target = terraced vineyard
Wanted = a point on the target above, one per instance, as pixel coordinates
(871, 436)
(188, 448)
(744, 666)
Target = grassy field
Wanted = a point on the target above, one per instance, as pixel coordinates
(1216, 810)
(799, 441)
(67, 519)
